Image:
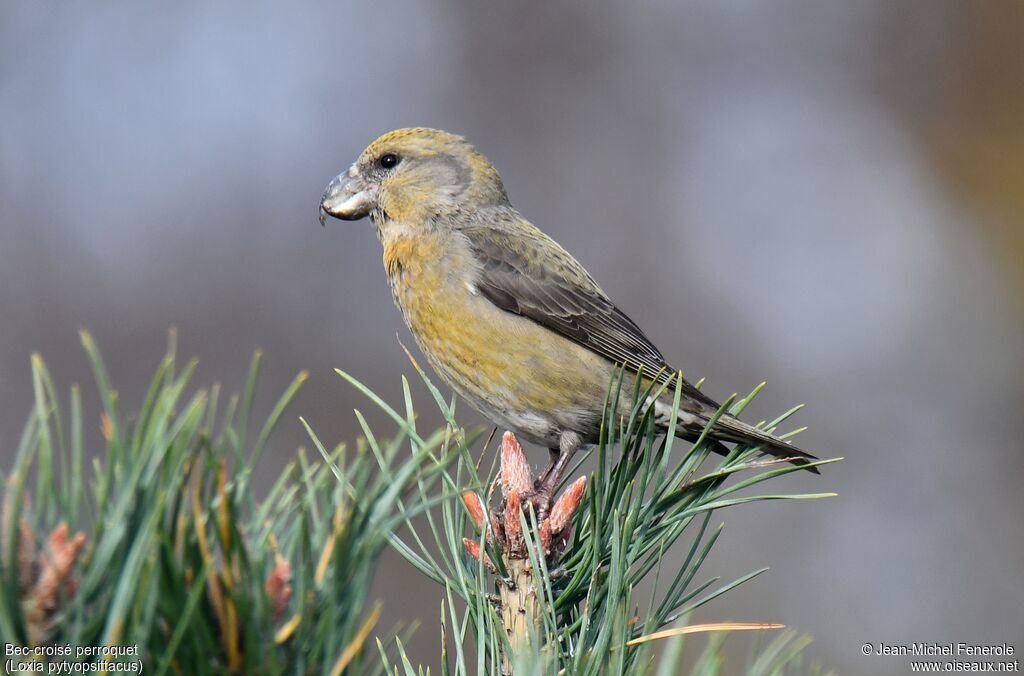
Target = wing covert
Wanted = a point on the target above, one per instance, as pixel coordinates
(532, 276)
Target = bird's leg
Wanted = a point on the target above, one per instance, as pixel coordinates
(553, 453)
(568, 444)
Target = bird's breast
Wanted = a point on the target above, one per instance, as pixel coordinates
(432, 285)
(507, 366)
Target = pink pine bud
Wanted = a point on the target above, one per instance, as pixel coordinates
(515, 469)
(545, 536)
(56, 566)
(567, 504)
(473, 549)
(278, 588)
(513, 528)
(475, 506)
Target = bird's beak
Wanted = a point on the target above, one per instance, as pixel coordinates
(348, 197)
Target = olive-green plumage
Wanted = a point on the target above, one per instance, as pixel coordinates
(504, 314)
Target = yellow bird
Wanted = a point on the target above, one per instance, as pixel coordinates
(506, 316)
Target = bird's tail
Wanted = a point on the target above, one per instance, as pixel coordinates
(728, 428)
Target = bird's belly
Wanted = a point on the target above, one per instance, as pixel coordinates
(518, 374)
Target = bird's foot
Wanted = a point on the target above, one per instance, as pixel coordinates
(545, 487)
(540, 500)
(526, 497)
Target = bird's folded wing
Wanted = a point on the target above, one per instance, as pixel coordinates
(529, 274)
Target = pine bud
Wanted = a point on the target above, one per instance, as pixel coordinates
(515, 469)
(567, 504)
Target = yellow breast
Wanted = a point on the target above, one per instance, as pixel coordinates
(504, 364)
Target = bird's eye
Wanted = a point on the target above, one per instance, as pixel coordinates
(388, 161)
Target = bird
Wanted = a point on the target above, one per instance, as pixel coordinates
(508, 318)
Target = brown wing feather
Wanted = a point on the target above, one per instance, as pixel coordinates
(531, 275)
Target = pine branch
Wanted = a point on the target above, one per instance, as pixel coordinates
(166, 546)
(162, 543)
(566, 592)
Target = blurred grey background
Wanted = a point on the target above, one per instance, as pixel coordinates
(826, 196)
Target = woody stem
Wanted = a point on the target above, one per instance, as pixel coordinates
(519, 610)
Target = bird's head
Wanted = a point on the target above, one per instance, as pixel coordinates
(414, 176)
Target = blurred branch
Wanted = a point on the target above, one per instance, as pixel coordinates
(177, 555)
